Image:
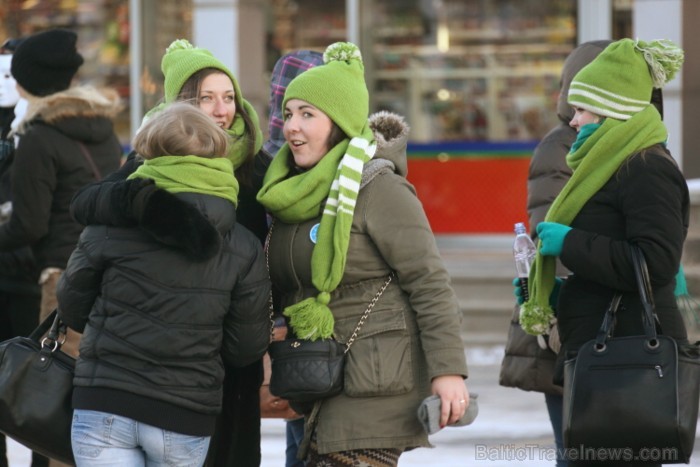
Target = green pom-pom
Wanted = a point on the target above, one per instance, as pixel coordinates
(179, 44)
(342, 52)
(535, 319)
(311, 319)
(664, 59)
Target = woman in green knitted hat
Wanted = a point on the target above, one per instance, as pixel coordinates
(345, 221)
(159, 317)
(625, 190)
(192, 74)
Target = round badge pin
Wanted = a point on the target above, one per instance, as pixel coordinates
(313, 233)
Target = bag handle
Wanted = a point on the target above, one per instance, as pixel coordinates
(43, 326)
(649, 318)
(645, 292)
(52, 323)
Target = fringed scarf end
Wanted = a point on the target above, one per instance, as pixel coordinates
(311, 318)
(536, 319)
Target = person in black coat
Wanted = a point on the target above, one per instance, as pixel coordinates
(160, 314)
(527, 364)
(625, 190)
(66, 140)
(194, 75)
(19, 291)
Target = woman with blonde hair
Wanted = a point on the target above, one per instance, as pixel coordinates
(194, 75)
(160, 317)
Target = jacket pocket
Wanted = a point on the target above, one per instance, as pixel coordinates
(379, 362)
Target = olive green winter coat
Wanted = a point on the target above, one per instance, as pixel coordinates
(413, 333)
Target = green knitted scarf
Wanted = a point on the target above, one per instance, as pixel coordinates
(598, 159)
(238, 144)
(332, 186)
(191, 174)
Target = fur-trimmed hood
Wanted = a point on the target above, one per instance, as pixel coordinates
(190, 222)
(75, 111)
(391, 133)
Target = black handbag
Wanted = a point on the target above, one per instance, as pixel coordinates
(633, 397)
(305, 371)
(36, 386)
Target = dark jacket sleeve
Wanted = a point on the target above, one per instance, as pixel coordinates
(653, 196)
(93, 203)
(249, 212)
(247, 324)
(80, 284)
(33, 184)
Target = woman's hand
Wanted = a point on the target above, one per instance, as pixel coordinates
(454, 397)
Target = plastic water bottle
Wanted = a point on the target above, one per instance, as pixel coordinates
(524, 251)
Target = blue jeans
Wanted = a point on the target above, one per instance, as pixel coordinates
(295, 434)
(555, 405)
(104, 439)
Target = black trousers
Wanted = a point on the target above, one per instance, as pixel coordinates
(236, 440)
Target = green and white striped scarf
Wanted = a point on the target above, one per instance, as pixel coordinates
(331, 188)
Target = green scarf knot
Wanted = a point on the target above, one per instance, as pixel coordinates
(330, 188)
(191, 174)
(598, 158)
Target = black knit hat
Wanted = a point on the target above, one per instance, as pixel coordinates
(46, 62)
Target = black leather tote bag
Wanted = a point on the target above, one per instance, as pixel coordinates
(36, 385)
(634, 398)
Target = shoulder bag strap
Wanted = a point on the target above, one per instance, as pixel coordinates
(271, 305)
(606, 328)
(364, 316)
(641, 273)
(90, 161)
(649, 317)
(367, 312)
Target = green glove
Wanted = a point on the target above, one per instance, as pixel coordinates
(553, 297)
(518, 291)
(552, 234)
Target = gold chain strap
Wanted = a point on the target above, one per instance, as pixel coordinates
(362, 319)
(367, 312)
(267, 265)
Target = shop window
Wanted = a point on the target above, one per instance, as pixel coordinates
(161, 23)
(622, 19)
(468, 69)
(103, 39)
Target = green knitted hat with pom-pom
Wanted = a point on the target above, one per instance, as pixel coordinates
(619, 82)
(182, 60)
(337, 88)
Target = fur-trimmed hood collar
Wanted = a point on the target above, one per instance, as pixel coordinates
(391, 133)
(74, 112)
(190, 222)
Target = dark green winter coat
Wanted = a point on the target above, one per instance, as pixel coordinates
(413, 333)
